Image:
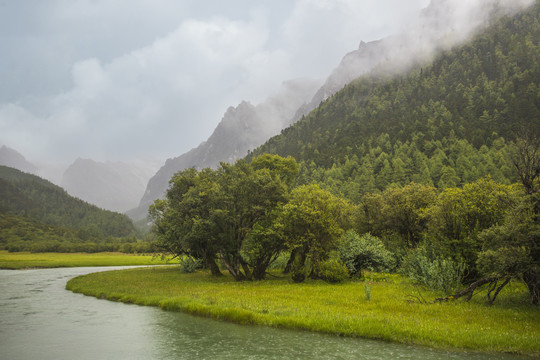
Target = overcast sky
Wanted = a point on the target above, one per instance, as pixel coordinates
(127, 79)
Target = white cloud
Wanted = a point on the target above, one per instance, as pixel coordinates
(116, 80)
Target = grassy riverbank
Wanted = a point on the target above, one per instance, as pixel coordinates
(511, 325)
(26, 260)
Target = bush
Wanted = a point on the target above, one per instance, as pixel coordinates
(434, 272)
(298, 271)
(332, 271)
(189, 264)
(365, 252)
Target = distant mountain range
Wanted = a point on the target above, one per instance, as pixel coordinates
(114, 186)
(11, 158)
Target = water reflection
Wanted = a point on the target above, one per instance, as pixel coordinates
(40, 319)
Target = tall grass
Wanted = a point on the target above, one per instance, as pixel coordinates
(25, 260)
(392, 313)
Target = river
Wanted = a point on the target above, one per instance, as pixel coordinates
(39, 319)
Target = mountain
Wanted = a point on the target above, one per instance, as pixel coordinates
(11, 158)
(242, 128)
(35, 211)
(114, 186)
(445, 124)
(442, 25)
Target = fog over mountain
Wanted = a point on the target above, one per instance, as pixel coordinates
(443, 24)
(12, 158)
(115, 186)
(122, 80)
(242, 128)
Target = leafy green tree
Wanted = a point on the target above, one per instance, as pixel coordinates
(397, 212)
(312, 222)
(460, 214)
(365, 252)
(248, 197)
(226, 214)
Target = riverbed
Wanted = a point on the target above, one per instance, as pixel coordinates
(39, 319)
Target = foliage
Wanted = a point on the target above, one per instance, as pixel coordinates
(312, 221)
(460, 214)
(397, 212)
(435, 272)
(189, 264)
(443, 124)
(226, 213)
(363, 253)
(37, 216)
(332, 271)
(31, 197)
(512, 249)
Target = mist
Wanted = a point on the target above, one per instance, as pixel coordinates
(127, 80)
(87, 82)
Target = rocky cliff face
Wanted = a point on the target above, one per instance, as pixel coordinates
(11, 158)
(241, 129)
(113, 186)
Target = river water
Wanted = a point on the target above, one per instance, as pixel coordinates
(39, 319)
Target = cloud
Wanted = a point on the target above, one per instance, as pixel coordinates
(170, 93)
(117, 80)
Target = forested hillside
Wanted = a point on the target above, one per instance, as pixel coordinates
(445, 124)
(40, 216)
(442, 166)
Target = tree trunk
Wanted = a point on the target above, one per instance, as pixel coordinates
(214, 268)
(492, 299)
(290, 261)
(234, 271)
(532, 279)
(247, 272)
(470, 290)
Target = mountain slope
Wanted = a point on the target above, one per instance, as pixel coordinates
(12, 158)
(476, 97)
(443, 24)
(242, 128)
(114, 186)
(32, 199)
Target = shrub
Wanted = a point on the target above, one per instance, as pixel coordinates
(332, 271)
(434, 272)
(189, 264)
(298, 271)
(365, 252)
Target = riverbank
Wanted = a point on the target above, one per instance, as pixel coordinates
(393, 312)
(26, 260)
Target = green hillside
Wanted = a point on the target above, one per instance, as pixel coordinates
(37, 215)
(445, 124)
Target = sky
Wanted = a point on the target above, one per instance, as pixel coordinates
(122, 80)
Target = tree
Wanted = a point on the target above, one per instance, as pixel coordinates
(363, 253)
(182, 221)
(312, 222)
(226, 214)
(460, 214)
(397, 212)
(249, 197)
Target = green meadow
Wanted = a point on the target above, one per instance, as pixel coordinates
(395, 309)
(26, 260)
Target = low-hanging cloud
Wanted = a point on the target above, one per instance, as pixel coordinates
(151, 89)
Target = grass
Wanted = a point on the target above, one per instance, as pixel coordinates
(511, 325)
(26, 260)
